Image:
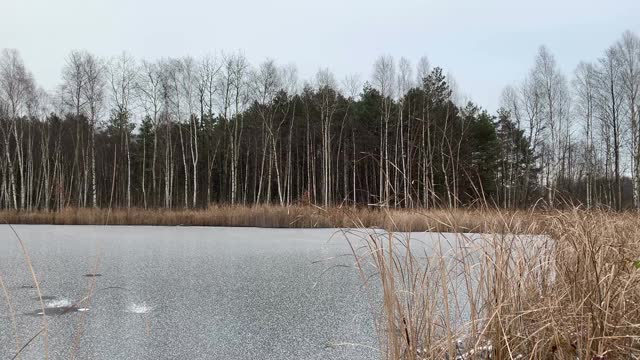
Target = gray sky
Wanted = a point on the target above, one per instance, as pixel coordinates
(484, 44)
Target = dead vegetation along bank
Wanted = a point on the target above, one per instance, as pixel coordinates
(572, 294)
(279, 217)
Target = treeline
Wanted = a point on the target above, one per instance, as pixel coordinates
(187, 133)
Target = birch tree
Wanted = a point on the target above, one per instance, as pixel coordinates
(628, 52)
(610, 101)
(384, 78)
(93, 94)
(584, 83)
(327, 104)
(16, 86)
(121, 77)
(551, 87)
(149, 90)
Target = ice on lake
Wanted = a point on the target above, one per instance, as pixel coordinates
(187, 293)
(198, 293)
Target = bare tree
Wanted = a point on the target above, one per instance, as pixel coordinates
(289, 83)
(165, 72)
(266, 84)
(240, 71)
(16, 86)
(609, 104)
(177, 107)
(402, 139)
(628, 51)
(122, 74)
(552, 88)
(94, 95)
(149, 92)
(511, 101)
(327, 103)
(208, 90)
(74, 80)
(384, 77)
(189, 91)
(584, 84)
(73, 91)
(423, 69)
(232, 85)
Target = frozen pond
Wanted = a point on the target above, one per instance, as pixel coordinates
(185, 293)
(192, 292)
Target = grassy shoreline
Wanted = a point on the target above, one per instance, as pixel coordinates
(572, 294)
(439, 220)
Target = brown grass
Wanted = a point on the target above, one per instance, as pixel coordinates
(572, 293)
(12, 313)
(277, 217)
(45, 328)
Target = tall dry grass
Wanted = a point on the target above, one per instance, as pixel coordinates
(476, 220)
(44, 330)
(562, 286)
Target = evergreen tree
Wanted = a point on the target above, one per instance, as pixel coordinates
(516, 166)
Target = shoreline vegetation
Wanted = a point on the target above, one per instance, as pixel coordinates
(572, 293)
(505, 294)
(273, 216)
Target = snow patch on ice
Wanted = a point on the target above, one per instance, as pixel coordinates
(141, 308)
(60, 303)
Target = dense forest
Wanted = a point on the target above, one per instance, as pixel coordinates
(187, 133)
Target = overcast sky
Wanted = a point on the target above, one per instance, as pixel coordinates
(484, 44)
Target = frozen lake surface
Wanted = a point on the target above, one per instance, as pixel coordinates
(185, 293)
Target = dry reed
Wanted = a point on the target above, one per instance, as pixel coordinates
(45, 327)
(561, 286)
(475, 220)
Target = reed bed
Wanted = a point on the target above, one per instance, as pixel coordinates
(564, 285)
(471, 220)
